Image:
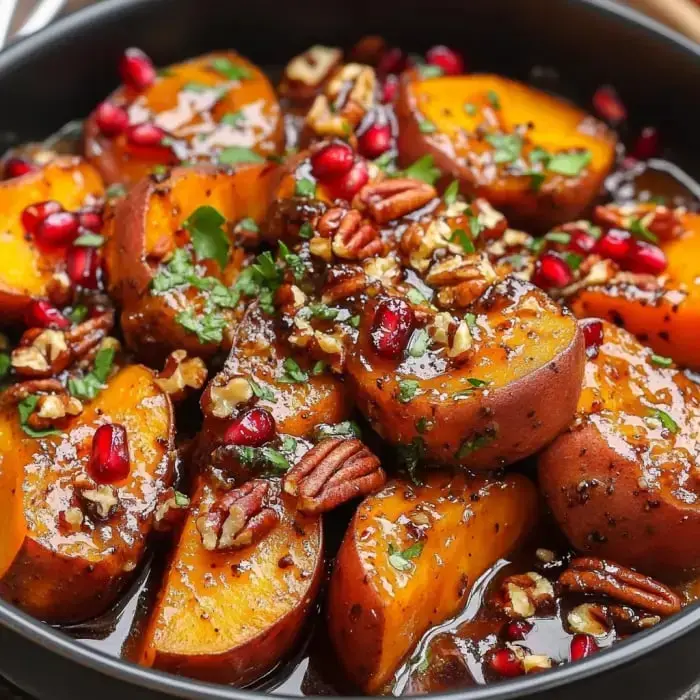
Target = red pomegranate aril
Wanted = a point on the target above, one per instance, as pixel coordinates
(91, 220)
(608, 105)
(390, 88)
(136, 69)
(517, 630)
(552, 272)
(347, 186)
(42, 314)
(505, 663)
(392, 62)
(392, 327)
(375, 141)
(57, 229)
(334, 160)
(582, 242)
(109, 458)
(145, 135)
(447, 59)
(16, 167)
(592, 335)
(111, 119)
(646, 258)
(647, 144)
(83, 265)
(615, 244)
(34, 214)
(252, 429)
(583, 645)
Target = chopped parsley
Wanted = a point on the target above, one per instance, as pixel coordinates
(419, 342)
(407, 390)
(208, 327)
(470, 319)
(354, 321)
(460, 236)
(319, 368)
(195, 86)
(450, 195)
(115, 191)
(402, 560)
(305, 188)
(570, 164)
(666, 420)
(78, 313)
(306, 231)
(248, 224)
(89, 240)
(410, 457)
(494, 101)
(25, 408)
(415, 296)
(293, 374)
(537, 179)
(661, 361)
(470, 446)
(319, 310)
(558, 237)
(573, 260)
(238, 154)
(423, 169)
(267, 457)
(426, 126)
(347, 428)
(228, 69)
(262, 392)
(470, 108)
(89, 386)
(428, 71)
(5, 364)
(423, 425)
(475, 225)
(638, 229)
(209, 240)
(232, 118)
(292, 261)
(508, 147)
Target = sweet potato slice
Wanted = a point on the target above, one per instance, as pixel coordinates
(148, 228)
(27, 268)
(409, 559)
(53, 567)
(511, 390)
(218, 107)
(667, 318)
(622, 481)
(536, 158)
(230, 616)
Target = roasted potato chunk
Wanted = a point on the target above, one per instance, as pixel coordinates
(534, 157)
(68, 546)
(409, 559)
(621, 481)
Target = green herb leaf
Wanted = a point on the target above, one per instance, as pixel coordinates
(570, 164)
(537, 179)
(423, 169)
(508, 147)
(322, 311)
(422, 425)
(539, 155)
(475, 225)
(78, 313)
(410, 456)
(470, 109)
(293, 261)
(469, 446)
(401, 561)
(428, 71)
(89, 240)
(493, 99)
(460, 236)
(115, 191)
(89, 386)
(415, 296)
(450, 196)
(233, 118)
(306, 231)
(238, 154)
(305, 188)
(573, 260)
(274, 458)
(25, 408)
(229, 70)
(419, 342)
(262, 392)
(639, 230)
(181, 500)
(477, 382)
(470, 318)
(407, 390)
(426, 126)
(293, 374)
(558, 237)
(209, 239)
(195, 86)
(319, 368)
(248, 224)
(661, 361)
(354, 321)
(5, 364)
(208, 327)
(347, 428)
(666, 420)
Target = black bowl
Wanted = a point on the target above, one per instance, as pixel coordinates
(61, 73)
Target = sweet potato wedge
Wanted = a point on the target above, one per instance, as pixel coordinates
(215, 108)
(55, 568)
(511, 390)
(668, 318)
(149, 227)
(27, 269)
(621, 482)
(477, 128)
(409, 559)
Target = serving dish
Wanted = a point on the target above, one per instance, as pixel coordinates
(190, 31)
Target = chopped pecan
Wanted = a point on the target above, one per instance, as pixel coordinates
(238, 518)
(589, 618)
(662, 222)
(170, 511)
(41, 353)
(181, 374)
(520, 596)
(343, 281)
(461, 279)
(333, 472)
(351, 92)
(100, 502)
(354, 238)
(225, 395)
(491, 222)
(287, 216)
(18, 392)
(51, 408)
(591, 575)
(85, 339)
(394, 198)
(306, 74)
(59, 289)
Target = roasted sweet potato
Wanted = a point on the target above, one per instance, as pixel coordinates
(666, 317)
(28, 268)
(58, 560)
(409, 559)
(509, 389)
(621, 481)
(149, 226)
(218, 107)
(534, 157)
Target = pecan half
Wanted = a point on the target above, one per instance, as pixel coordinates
(239, 518)
(18, 392)
(354, 238)
(41, 353)
(181, 374)
(333, 472)
(84, 340)
(591, 575)
(662, 222)
(392, 199)
(343, 281)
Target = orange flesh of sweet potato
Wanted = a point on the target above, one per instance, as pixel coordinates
(188, 112)
(379, 606)
(450, 118)
(56, 573)
(622, 482)
(667, 320)
(527, 350)
(27, 270)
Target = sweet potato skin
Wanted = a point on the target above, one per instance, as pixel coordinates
(60, 575)
(532, 365)
(28, 269)
(377, 613)
(558, 126)
(619, 483)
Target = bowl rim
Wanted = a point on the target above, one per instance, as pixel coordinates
(54, 640)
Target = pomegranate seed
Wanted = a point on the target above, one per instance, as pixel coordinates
(505, 663)
(375, 141)
(447, 59)
(136, 69)
(91, 220)
(583, 645)
(392, 327)
(646, 258)
(517, 630)
(16, 167)
(111, 119)
(252, 429)
(581, 242)
(145, 135)
(593, 336)
(615, 244)
(551, 271)
(347, 186)
(390, 88)
(392, 62)
(109, 459)
(57, 229)
(41, 314)
(82, 265)
(334, 160)
(608, 104)
(647, 144)
(34, 214)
